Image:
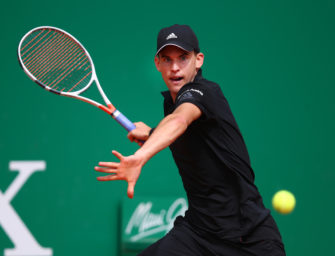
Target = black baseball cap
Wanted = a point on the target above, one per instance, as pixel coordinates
(181, 36)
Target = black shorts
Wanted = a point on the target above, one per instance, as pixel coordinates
(183, 241)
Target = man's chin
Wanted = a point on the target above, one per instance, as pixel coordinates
(175, 88)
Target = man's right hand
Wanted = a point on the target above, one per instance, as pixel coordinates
(140, 134)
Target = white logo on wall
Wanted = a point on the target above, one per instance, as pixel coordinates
(148, 223)
(16, 230)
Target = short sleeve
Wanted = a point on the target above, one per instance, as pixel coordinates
(197, 94)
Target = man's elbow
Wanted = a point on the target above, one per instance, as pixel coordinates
(180, 122)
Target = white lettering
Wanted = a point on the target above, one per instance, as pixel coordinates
(195, 90)
(190, 90)
(23, 240)
(148, 223)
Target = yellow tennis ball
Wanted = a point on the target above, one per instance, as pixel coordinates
(283, 202)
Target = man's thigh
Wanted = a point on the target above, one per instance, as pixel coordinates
(265, 248)
(179, 241)
(183, 241)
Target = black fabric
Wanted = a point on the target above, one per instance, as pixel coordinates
(151, 131)
(179, 35)
(183, 240)
(214, 165)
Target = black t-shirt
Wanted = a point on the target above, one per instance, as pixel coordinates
(214, 165)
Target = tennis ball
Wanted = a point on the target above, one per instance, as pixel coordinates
(283, 202)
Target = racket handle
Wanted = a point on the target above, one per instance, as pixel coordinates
(123, 120)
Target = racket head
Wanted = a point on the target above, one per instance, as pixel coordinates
(55, 60)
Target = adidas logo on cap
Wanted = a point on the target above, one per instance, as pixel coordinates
(172, 35)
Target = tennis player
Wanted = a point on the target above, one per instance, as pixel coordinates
(226, 215)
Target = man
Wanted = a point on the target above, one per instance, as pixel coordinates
(226, 215)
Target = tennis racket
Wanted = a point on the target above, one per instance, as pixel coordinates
(59, 63)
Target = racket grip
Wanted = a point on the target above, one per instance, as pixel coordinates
(123, 120)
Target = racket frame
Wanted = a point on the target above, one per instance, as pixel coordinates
(109, 109)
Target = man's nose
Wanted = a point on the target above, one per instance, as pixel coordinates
(174, 66)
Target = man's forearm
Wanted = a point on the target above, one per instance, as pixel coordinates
(167, 131)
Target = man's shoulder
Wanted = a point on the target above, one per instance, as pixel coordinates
(201, 87)
(210, 85)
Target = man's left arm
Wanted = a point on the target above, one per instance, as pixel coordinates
(170, 128)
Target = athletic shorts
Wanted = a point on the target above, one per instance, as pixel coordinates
(183, 241)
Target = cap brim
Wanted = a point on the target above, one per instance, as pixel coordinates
(177, 44)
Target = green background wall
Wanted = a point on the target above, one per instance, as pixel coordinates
(274, 61)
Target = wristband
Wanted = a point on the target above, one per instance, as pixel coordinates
(151, 131)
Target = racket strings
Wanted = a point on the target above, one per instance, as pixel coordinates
(32, 63)
(53, 60)
(56, 60)
(43, 60)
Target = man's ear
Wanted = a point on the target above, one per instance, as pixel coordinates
(157, 63)
(199, 60)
